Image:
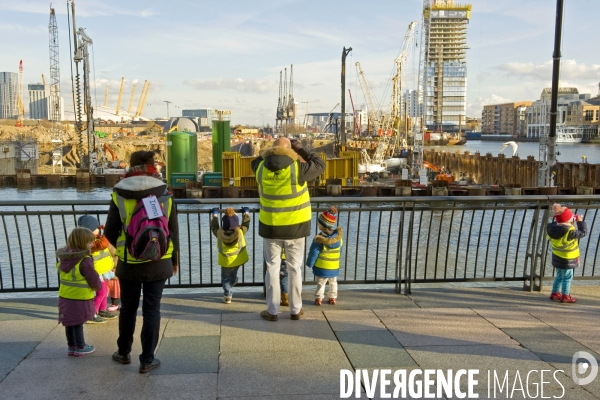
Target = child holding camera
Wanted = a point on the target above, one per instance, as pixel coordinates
(231, 246)
(564, 237)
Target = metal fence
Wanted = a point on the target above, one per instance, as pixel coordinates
(386, 240)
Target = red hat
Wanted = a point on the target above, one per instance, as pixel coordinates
(562, 214)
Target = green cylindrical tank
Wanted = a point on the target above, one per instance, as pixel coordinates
(182, 154)
(221, 141)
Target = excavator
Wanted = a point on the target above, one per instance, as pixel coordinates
(441, 175)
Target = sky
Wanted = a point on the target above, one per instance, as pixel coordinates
(228, 54)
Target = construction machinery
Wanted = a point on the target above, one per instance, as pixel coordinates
(55, 106)
(373, 112)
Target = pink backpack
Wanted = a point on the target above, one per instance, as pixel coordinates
(147, 239)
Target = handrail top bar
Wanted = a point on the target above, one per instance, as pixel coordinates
(395, 199)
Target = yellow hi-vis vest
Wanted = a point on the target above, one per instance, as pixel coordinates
(282, 200)
(233, 255)
(103, 261)
(126, 208)
(73, 285)
(329, 258)
(564, 248)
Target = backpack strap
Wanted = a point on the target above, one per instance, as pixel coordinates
(122, 211)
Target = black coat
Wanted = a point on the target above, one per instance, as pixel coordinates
(138, 187)
(276, 159)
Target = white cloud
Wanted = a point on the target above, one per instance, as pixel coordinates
(237, 84)
(475, 107)
(569, 69)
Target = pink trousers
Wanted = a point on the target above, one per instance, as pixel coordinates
(100, 299)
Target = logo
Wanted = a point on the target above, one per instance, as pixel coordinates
(580, 368)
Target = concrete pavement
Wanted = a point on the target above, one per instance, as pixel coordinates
(211, 350)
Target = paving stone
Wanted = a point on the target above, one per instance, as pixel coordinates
(441, 327)
(509, 317)
(29, 308)
(374, 349)
(303, 371)
(97, 378)
(193, 325)
(26, 330)
(12, 354)
(188, 355)
(189, 386)
(355, 320)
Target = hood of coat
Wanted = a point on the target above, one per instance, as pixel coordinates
(278, 158)
(556, 230)
(228, 237)
(138, 187)
(69, 257)
(334, 238)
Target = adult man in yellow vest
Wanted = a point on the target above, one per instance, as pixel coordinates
(285, 217)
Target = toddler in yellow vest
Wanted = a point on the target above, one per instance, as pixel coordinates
(78, 284)
(324, 255)
(231, 246)
(564, 234)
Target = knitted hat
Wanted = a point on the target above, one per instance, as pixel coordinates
(562, 214)
(328, 218)
(88, 221)
(230, 220)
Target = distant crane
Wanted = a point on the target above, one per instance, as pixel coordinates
(279, 114)
(373, 112)
(120, 96)
(290, 100)
(55, 115)
(20, 109)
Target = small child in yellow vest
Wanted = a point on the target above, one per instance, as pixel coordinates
(231, 246)
(564, 237)
(324, 256)
(78, 283)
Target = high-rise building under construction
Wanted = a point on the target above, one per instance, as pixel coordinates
(446, 65)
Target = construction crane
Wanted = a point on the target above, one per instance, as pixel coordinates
(373, 112)
(55, 115)
(120, 96)
(20, 109)
(419, 127)
(83, 94)
(131, 99)
(290, 100)
(279, 115)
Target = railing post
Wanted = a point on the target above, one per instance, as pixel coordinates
(408, 256)
(535, 248)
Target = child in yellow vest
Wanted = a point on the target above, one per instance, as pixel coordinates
(78, 284)
(231, 246)
(104, 262)
(324, 256)
(564, 237)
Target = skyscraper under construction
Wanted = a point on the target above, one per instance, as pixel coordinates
(446, 64)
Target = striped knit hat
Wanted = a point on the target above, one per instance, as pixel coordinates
(328, 218)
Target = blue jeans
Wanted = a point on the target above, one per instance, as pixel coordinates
(563, 278)
(283, 277)
(229, 279)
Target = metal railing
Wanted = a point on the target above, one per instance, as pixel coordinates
(401, 240)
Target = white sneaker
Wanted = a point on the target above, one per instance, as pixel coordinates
(227, 299)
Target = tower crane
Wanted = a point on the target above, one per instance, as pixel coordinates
(373, 113)
(55, 115)
(279, 115)
(290, 101)
(20, 109)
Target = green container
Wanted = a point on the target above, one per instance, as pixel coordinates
(212, 179)
(221, 141)
(182, 154)
(179, 179)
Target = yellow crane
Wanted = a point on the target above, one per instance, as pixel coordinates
(120, 96)
(131, 99)
(142, 103)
